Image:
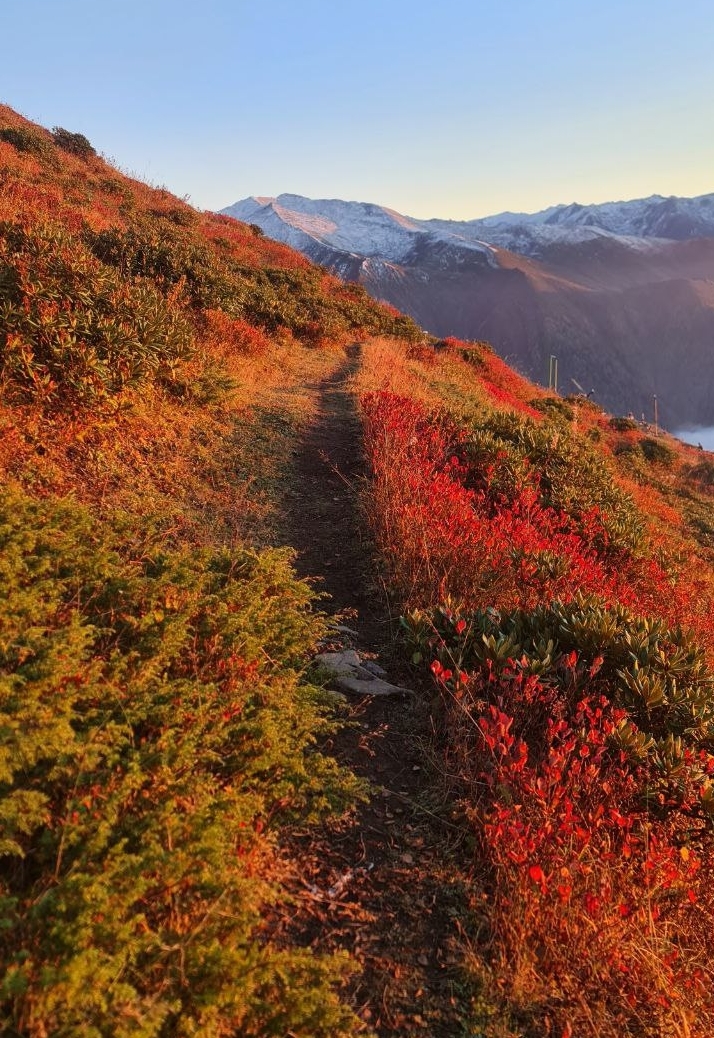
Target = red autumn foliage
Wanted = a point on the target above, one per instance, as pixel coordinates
(600, 890)
(234, 333)
(507, 397)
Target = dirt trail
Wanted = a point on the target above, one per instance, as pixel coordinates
(382, 884)
(323, 521)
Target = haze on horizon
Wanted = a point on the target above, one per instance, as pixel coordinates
(461, 110)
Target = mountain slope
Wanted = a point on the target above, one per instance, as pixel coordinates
(185, 845)
(158, 732)
(620, 292)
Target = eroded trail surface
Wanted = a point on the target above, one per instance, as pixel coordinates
(384, 883)
(323, 520)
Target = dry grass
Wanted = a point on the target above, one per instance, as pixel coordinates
(212, 471)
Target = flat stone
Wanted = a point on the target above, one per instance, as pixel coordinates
(375, 687)
(350, 675)
(374, 668)
(346, 662)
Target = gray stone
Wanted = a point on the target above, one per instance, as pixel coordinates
(374, 668)
(350, 675)
(345, 662)
(344, 629)
(374, 687)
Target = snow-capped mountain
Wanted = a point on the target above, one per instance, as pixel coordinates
(655, 217)
(358, 229)
(367, 230)
(622, 292)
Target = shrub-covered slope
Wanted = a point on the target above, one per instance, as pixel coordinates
(559, 591)
(156, 727)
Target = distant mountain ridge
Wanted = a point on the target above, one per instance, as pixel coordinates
(622, 292)
(675, 219)
(371, 230)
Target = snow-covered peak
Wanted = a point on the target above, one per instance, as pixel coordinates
(360, 228)
(376, 232)
(654, 217)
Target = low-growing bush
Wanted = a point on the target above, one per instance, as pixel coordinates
(554, 406)
(624, 448)
(472, 356)
(467, 513)
(177, 215)
(155, 732)
(170, 256)
(271, 298)
(424, 352)
(702, 473)
(656, 452)
(507, 452)
(582, 738)
(72, 330)
(234, 333)
(24, 139)
(623, 424)
(75, 143)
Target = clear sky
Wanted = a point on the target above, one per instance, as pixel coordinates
(451, 108)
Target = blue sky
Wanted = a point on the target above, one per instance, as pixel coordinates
(455, 108)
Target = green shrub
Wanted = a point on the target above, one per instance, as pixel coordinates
(166, 254)
(553, 406)
(75, 143)
(569, 475)
(623, 424)
(584, 402)
(26, 140)
(657, 452)
(659, 676)
(72, 329)
(154, 731)
(177, 215)
(270, 297)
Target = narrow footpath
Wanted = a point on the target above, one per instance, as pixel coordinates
(384, 883)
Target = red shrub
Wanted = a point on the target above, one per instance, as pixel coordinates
(234, 333)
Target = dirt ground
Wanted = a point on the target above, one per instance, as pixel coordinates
(387, 882)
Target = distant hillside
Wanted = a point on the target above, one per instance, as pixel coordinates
(622, 293)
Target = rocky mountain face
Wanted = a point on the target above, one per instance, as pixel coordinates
(622, 293)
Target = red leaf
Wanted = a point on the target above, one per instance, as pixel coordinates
(537, 875)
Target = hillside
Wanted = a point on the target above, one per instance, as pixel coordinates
(621, 292)
(232, 486)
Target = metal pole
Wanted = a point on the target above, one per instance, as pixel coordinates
(656, 416)
(553, 373)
